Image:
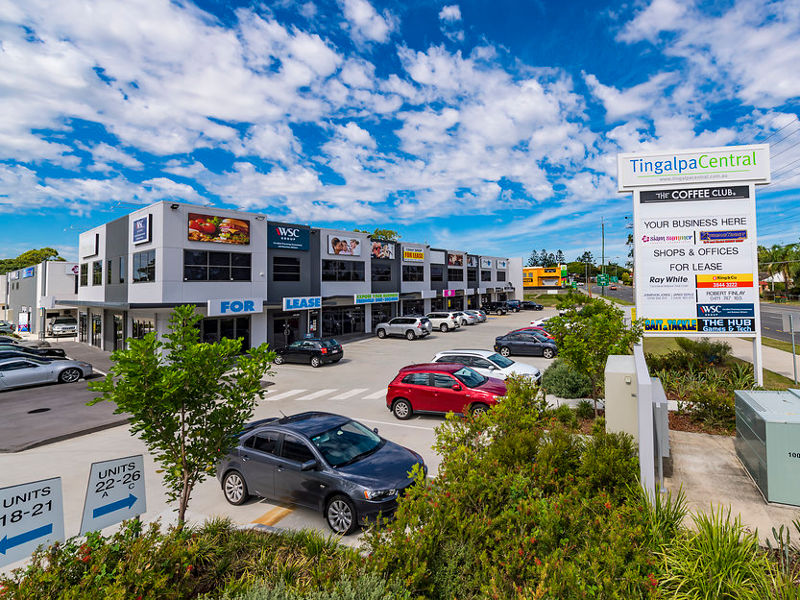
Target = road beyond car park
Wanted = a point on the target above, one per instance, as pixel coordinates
(355, 387)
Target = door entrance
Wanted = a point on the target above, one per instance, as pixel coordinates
(97, 330)
(83, 327)
(286, 328)
(119, 332)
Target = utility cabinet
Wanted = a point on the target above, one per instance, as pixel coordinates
(768, 442)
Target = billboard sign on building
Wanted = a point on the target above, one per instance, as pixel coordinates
(412, 254)
(235, 306)
(486, 263)
(378, 297)
(142, 230)
(28, 272)
(287, 237)
(344, 246)
(382, 249)
(502, 264)
(217, 229)
(455, 260)
(302, 303)
(472, 261)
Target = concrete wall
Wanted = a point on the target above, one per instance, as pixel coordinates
(416, 286)
(345, 288)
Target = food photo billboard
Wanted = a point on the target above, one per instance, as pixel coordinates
(217, 229)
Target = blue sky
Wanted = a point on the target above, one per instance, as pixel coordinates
(489, 126)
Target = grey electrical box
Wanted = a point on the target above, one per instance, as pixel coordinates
(768, 442)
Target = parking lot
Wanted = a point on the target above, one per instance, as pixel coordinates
(355, 387)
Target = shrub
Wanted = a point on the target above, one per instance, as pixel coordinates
(712, 405)
(564, 381)
(566, 416)
(365, 587)
(584, 410)
(703, 351)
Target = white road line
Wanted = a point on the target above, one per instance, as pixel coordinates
(349, 394)
(375, 396)
(396, 424)
(283, 395)
(318, 394)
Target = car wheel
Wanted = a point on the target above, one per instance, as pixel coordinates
(402, 409)
(410, 335)
(478, 409)
(234, 488)
(316, 361)
(444, 328)
(548, 353)
(505, 351)
(381, 333)
(341, 515)
(279, 360)
(69, 375)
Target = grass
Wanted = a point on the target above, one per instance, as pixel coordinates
(780, 344)
(620, 301)
(543, 299)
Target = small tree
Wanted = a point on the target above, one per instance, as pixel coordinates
(587, 337)
(187, 399)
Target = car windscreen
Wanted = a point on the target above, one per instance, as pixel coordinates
(469, 377)
(501, 361)
(346, 444)
(65, 321)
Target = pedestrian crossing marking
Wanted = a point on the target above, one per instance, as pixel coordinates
(283, 395)
(349, 394)
(376, 395)
(317, 394)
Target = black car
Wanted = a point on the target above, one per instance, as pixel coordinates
(35, 352)
(525, 342)
(498, 308)
(314, 352)
(322, 461)
(513, 305)
(530, 305)
(4, 339)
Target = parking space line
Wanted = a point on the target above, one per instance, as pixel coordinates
(350, 393)
(375, 396)
(273, 515)
(318, 394)
(283, 395)
(396, 424)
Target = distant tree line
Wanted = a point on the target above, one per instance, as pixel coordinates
(545, 258)
(28, 259)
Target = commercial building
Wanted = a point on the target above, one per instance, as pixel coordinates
(29, 295)
(262, 280)
(538, 277)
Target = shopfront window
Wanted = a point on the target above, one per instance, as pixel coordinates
(213, 330)
(456, 303)
(141, 327)
(202, 265)
(97, 330)
(381, 271)
(144, 266)
(342, 270)
(501, 276)
(486, 275)
(83, 327)
(382, 312)
(413, 307)
(285, 268)
(437, 272)
(455, 274)
(438, 304)
(413, 273)
(342, 320)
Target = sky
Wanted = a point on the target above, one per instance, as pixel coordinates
(484, 126)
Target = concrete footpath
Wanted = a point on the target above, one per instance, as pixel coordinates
(775, 360)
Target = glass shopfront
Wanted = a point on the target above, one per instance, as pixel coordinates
(214, 329)
(413, 307)
(382, 312)
(83, 327)
(97, 330)
(119, 332)
(473, 301)
(455, 303)
(438, 304)
(342, 320)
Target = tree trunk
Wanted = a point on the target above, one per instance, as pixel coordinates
(184, 500)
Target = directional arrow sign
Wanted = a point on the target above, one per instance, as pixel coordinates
(31, 514)
(115, 493)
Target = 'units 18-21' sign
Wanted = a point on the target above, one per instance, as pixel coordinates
(287, 237)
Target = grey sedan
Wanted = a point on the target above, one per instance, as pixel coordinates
(18, 372)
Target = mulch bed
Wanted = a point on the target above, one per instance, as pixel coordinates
(683, 422)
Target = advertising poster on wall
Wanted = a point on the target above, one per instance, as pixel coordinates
(344, 246)
(287, 237)
(695, 249)
(502, 264)
(28, 272)
(141, 230)
(455, 260)
(472, 261)
(219, 230)
(411, 254)
(382, 249)
(486, 263)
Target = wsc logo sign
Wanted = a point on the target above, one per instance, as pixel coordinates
(287, 237)
(713, 311)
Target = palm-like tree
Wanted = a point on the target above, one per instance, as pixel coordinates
(777, 259)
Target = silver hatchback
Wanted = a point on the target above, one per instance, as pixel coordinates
(410, 328)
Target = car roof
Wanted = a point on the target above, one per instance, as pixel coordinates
(441, 367)
(479, 352)
(308, 423)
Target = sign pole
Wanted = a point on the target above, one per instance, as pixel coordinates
(794, 356)
(758, 362)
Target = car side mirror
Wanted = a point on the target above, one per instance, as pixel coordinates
(456, 387)
(375, 429)
(309, 465)
(492, 368)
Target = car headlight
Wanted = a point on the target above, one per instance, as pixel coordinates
(378, 494)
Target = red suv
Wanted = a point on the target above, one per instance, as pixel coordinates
(441, 388)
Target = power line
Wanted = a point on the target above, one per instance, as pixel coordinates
(779, 169)
(779, 130)
(785, 150)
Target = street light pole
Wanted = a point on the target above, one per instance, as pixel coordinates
(603, 253)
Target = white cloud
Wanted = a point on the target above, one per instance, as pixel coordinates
(660, 15)
(104, 154)
(450, 13)
(365, 23)
(635, 100)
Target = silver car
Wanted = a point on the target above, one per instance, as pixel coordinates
(481, 317)
(64, 326)
(444, 321)
(18, 372)
(488, 363)
(409, 327)
(466, 319)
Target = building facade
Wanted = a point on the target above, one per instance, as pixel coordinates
(29, 294)
(263, 280)
(536, 277)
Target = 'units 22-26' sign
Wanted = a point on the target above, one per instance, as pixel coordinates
(287, 237)
(235, 306)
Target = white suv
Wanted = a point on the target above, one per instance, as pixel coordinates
(409, 327)
(488, 363)
(444, 321)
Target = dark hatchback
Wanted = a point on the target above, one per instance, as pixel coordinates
(525, 342)
(34, 352)
(322, 461)
(314, 352)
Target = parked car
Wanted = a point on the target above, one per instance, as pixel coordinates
(4, 354)
(527, 343)
(539, 323)
(17, 372)
(63, 326)
(513, 305)
(467, 319)
(409, 327)
(479, 316)
(444, 321)
(441, 388)
(322, 461)
(34, 352)
(313, 351)
(535, 329)
(488, 363)
(6, 327)
(530, 305)
(6, 339)
(498, 308)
